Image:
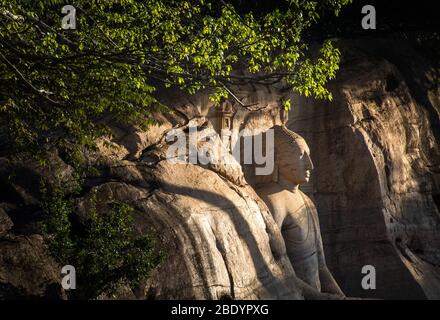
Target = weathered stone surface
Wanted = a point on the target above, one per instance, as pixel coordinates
(218, 230)
(128, 142)
(21, 180)
(26, 270)
(376, 181)
(220, 239)
(376, 185)
(5, 222)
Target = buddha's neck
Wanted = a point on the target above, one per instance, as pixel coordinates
(285, 184)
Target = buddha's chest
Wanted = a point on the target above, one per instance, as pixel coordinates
(299, 230)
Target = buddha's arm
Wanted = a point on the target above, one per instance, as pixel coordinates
(328, 282)
(311, 293)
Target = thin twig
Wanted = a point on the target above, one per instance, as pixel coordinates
(99, 28)
(248, 107)
(15, 69)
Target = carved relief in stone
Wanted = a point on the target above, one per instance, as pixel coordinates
(294, 213)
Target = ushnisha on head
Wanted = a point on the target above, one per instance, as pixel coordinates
(292, 156)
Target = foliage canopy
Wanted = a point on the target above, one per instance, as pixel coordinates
(59, 87)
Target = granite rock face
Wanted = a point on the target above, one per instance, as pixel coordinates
(376, 179)
(26, 271)
(210, 224)
(376, 186)
(5, 222)
(216, 236)
(220, 240)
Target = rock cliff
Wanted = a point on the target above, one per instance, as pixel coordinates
(220, 240)
(376, 185)
(376, 179)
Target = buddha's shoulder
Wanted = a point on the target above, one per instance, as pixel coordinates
(306, 198)
(270, 191)
(308, 202)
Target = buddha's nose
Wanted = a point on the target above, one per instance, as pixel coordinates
(308, 162)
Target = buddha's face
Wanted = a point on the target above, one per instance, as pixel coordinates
(295, 165)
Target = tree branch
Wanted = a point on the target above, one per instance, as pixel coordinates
(28, 83)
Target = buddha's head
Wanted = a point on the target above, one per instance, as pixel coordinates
(292, 156)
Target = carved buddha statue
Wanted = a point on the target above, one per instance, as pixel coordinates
(294, 212)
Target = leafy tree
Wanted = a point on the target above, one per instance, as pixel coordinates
(60, 87)
(105, 252)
